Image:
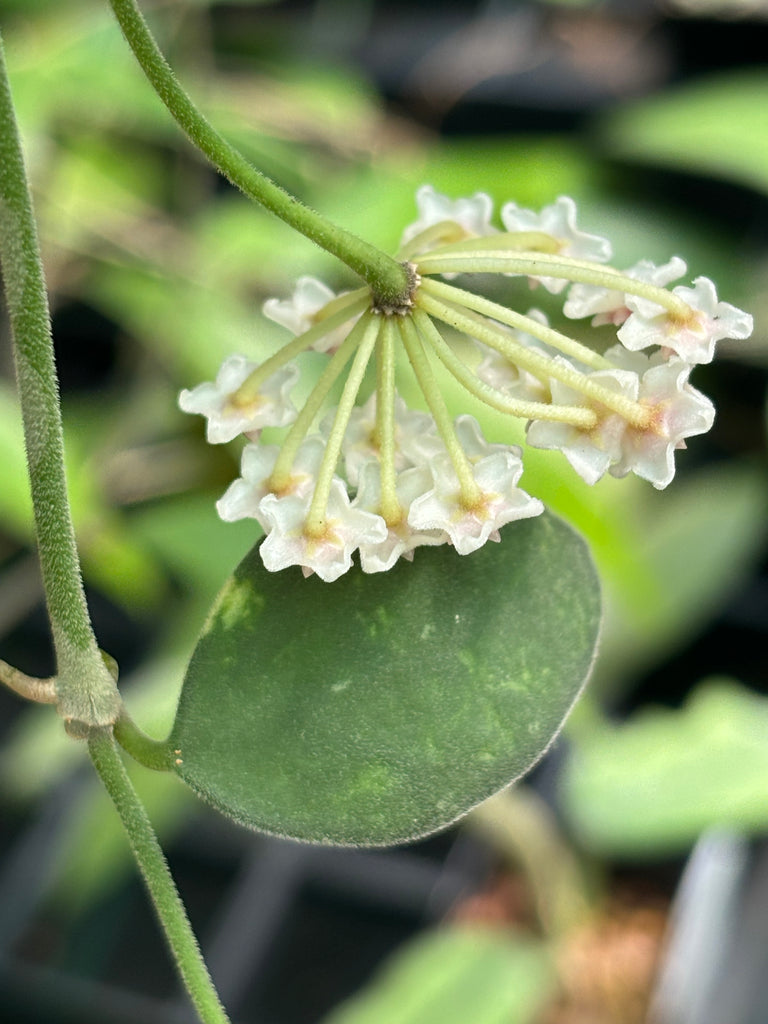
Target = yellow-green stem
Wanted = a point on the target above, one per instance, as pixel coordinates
(316, 517)
(281, 474)
(542, 366)
(470, 492)
(355, 304)
(459, 297)
(390, 507)
(576, 415)
(545, 265)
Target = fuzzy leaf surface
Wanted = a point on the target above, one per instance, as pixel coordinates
(380, 708)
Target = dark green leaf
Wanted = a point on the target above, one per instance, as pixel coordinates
(382, 707)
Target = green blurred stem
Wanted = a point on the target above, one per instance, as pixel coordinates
(388, 279)
(86, 691)
(521, 826)
(154, 869)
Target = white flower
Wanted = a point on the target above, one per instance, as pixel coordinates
(401, 538)
(694, 340)
(471, 216)
(242, 499)
(608, 306)
(590, 452)
(299, 313)
(329, 555)
(681, 411)
(559, 221)
(441, 508)
(228, 417)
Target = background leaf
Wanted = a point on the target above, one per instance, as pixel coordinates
(456, 975)
(653, 785)
(717, 125)
(381, 707)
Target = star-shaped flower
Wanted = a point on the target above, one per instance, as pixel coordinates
(416, 439)
(608, 306)
(329, 555)
(242, 499)
(299, 313)
(680, 412)
(694, 339)
(227, 415)
(590, 452)
(559, 221)
(441, 508)
(464, 218)
(402, 538)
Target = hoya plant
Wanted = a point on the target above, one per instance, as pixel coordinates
(412, 630)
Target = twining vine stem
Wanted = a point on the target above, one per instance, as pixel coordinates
(154, 869)
(388, 279)
(86, 691)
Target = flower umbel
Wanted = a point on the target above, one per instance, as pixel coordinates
(382, 479)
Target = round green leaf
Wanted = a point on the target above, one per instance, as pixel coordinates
(380, 708)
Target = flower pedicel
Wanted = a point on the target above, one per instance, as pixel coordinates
(382, 479)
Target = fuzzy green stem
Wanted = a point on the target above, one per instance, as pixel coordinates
(576, 415)
(470, 492)
(316, 517)
(282, 471)
(388, 279)
(541, 365)
(536, 264)
(390, 507)
(527, 324)
(86, 691)
(42, 691)
(355, 304)
(155, 754)
(157, 877)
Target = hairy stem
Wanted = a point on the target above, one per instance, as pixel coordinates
(157, 877)
(388, 279)
(86, 690)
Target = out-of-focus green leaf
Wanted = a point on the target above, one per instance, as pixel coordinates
(716, 126)
(189, 537)
(76, 65)
(379, 708)
(651, 786)
(182, 322)
(456, 976)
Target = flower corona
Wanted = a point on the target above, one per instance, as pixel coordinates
(381, 479)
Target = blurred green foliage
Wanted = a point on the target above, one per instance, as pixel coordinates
(651, 787)
(454, 975)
